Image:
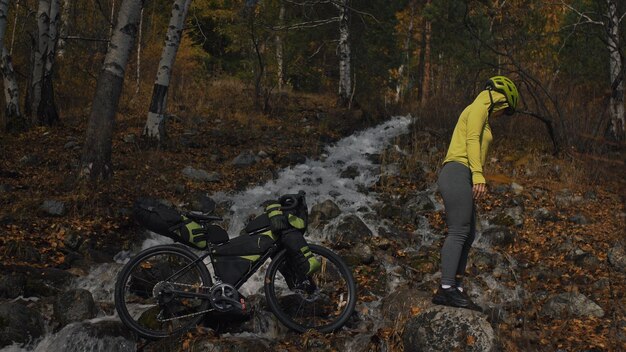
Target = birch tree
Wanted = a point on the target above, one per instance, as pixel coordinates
(345, 81)
(616, 71)
(11, 92)
(280, 67)
(43, 20)
(96, 158)
(47, 111)
(155, 124)
(610, 21)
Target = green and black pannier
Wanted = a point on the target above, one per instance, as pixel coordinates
(166, 221)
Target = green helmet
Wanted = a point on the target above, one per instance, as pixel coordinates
(505, 86)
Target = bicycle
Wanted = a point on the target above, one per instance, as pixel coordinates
(167, 289)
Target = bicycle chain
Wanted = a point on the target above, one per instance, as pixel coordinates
(159, 316)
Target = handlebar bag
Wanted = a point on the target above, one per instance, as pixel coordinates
(168, 222)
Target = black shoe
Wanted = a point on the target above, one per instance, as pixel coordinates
(451, 297)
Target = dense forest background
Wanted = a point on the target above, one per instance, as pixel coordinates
(97, 113)
(566, 57)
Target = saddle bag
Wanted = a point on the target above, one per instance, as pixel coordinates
(169, 222)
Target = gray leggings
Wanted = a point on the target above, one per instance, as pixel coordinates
(455, 185)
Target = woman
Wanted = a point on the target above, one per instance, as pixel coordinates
(461, 181)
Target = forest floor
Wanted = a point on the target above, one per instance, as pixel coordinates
(42, 164)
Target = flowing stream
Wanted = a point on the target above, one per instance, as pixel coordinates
(320, 179)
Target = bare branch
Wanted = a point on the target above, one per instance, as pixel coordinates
(588, 19)
(311, 24)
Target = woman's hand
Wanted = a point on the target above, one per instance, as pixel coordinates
(479, 190)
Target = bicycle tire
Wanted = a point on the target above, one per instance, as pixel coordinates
(135, 285)
(282, 300)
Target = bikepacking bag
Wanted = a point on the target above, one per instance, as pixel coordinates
(235, 258)
(166, 221)
(292, 234)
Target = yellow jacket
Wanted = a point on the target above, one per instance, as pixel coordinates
(472, 134)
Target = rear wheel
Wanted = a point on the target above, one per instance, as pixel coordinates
(143, 291)
(325, 303)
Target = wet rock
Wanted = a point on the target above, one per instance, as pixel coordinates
(323, 212)
(44, 282)
(74, 305)
(103, 336)
(53, 208)
(403, 302)
(446, 329)
(617, 257)
(571, 303)
(350, 172)
(19, 324)
(412, 209)
(200, 175)
(202, 202)
(351, 230)
(543, 214)
(12, 285)
(361, 253)
(245, 159)
(499, 236)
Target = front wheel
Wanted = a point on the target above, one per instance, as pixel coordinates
(145, 291)
(325, 303)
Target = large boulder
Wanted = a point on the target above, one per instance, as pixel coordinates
(571, 304)
(74, 305)
(351, 230)
(404, 302)
(441, 328)
(19, 324)
(323, 212)
(103, 336)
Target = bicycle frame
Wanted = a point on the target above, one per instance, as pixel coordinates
(274, 249)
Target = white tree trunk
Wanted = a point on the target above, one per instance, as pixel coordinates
(47, 111)
(43, 20)
(11, 90)
(96, 158)
(155, 124)
(345, 82)
(616, 103)
(280, 69)
(63, 27)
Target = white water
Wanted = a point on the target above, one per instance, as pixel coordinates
(320, 179)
